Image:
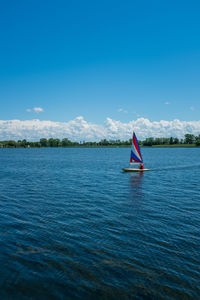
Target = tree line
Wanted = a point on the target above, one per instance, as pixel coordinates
(188, 139)
(51, 142)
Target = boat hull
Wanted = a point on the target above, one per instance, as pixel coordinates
(134, 170)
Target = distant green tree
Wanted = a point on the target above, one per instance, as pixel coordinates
(104, 142)
(24, 143)
(19, 144)
(176, 140)
(44, 142)
(158, 141)
(197, 140)
(166, 141)
(189, 138)
(53, 142)
(148, 142)
(57, 143)
(37, 144)
(11, 143)
(65, 142)
(127, 143)
(171, 140)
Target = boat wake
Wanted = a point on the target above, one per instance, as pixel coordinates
(193, 166)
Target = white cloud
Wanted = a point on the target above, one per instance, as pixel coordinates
(192, 108)
(122, 110)
(167, 103)
(79, 129)
(38, 109)
(35, 109)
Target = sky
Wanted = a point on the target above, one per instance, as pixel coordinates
(97, 63)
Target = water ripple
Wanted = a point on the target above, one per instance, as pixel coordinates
(73, 226)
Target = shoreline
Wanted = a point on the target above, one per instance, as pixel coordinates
(110, 146)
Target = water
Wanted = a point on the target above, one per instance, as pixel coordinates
(73, 226)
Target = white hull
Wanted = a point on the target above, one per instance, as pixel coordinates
(134, 170)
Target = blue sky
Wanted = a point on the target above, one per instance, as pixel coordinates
(97, 59)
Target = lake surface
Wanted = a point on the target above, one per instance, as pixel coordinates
(74, 226)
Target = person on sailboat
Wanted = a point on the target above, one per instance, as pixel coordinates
(141, 167)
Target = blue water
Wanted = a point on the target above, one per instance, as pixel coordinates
(74, 226)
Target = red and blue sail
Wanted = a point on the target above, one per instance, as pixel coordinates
(136, 155)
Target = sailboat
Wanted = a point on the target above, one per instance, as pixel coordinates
(136, 157)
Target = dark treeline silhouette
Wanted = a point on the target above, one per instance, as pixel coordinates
(189, 139)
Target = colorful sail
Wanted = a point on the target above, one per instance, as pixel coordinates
(136, 155)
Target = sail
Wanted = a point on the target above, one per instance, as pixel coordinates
(136, 155)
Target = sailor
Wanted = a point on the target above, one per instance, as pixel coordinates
(141, 167)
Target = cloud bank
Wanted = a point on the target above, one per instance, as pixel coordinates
(79, 129)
